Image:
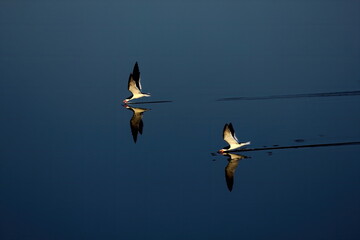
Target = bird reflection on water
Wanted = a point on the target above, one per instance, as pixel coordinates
(234, 159)
(136, 122)
(230, 168)
(134, 86)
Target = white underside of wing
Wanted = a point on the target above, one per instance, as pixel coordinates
(235, 138)
(232, 140)
(133, 88)
(140, 83)
(229, 138)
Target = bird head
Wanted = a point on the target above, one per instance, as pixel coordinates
(221, 151)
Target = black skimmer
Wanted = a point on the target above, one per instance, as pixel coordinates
(136, 122)
(134, 85)
(230, 168)
(230, 138)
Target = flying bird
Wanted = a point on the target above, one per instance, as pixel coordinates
(136, 122)
(134, 85)
(230, 168)
(230, 138)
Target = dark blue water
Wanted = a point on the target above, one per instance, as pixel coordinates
(70, 169)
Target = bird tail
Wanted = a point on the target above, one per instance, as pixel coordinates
(246, 143)
(147, 95)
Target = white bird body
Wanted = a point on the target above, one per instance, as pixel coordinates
(230, 137)
(134, 85)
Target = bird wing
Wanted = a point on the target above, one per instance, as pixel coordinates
(133, 86)
(136, 75)
(229, 134)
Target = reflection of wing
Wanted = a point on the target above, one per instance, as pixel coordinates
(231, 167)
(229, 134)
(136, 123)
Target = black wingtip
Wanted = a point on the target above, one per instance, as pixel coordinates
(229, 183)
(231, 128)
(134, 133)
(135, 137)
(226, 125)
(136, 72)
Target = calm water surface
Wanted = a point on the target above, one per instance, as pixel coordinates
(70, 169)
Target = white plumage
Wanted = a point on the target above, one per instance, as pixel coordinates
(230, 137)
(134, 85)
